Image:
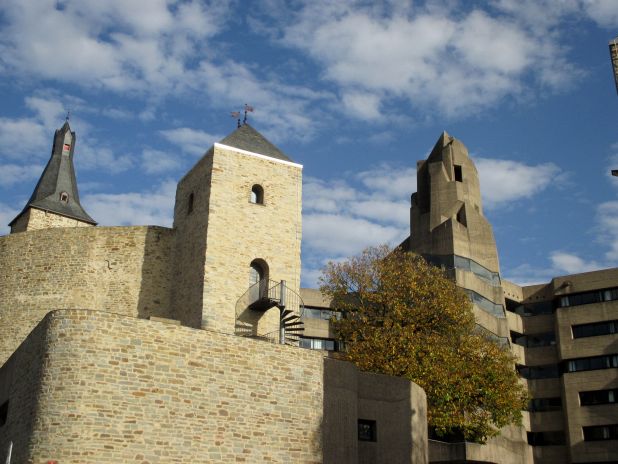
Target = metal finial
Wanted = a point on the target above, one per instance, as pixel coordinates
(236, 115)
(68, 116)
(248, 109)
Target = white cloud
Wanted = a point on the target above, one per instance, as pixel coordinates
(157, 162)
(362, 105)
(116, 44)
(22, 136)
(604, 12)
(394, 182)
(7, 214)
(134, 208)
(192, 141)
(341, 217)
(560, 263)
(568, 263)
(607, 225)
(455, 57)
(91, 156)
(344, 235)
(11, 174)
(504, 181)
(165, 49)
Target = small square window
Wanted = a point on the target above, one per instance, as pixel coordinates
(367, 430)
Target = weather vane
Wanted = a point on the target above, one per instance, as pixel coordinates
(236, 115)
(68, 116)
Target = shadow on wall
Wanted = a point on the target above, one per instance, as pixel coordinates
(156, 278)
(20, 383)
(372, 418)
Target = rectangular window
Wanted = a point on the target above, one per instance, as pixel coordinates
(535, 340)
(4, 412)
(318, 313)
(367, 430)
(595, 329)
(592, 363)
(549, 371)
(530, 309)
(545, 404)
(318, 343)
(590, 398)
(595, 296)
(458, 173)
(601, 432)
(546, 438)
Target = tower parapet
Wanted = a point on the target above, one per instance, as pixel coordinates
(55, 200)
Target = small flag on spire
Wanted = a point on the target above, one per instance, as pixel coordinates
(248, 108)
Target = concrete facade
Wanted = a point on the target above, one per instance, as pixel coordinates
(563, 334)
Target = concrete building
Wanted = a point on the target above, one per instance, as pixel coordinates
(564, 333)
(149, 344)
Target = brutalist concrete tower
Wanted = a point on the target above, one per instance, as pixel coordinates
(448, 228)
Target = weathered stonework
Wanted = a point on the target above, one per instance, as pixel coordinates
(36, 219)
(124, 270)
(118, 343)
(105, 388)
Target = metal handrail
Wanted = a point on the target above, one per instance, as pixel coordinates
(279, 294)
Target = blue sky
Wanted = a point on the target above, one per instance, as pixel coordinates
(357, 92)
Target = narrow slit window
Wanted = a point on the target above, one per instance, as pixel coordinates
(190, 204)
(4, 412)
(461, 216)
(458, 173)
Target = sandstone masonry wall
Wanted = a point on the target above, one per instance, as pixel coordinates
(123, 390)
(105, 388)
(123, 270)
(191, 214)
(36, 219)
(241, 231)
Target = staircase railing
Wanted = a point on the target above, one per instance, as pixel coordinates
(272, 293)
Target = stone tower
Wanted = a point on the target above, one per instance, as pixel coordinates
(237, 220)
(55, 200)
(449, 229)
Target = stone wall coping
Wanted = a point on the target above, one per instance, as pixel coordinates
(257, 155)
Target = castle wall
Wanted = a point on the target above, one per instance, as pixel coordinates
(36, 219)
(124, 270)
(105, 388)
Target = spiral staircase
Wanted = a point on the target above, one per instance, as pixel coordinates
(263, 296)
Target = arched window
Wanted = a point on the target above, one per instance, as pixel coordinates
(258, 272)
(64, 197)
(257, 194)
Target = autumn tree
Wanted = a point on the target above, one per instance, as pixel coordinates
(403, 317)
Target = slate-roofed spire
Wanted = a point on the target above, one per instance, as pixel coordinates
(56, 190)
(247, 138)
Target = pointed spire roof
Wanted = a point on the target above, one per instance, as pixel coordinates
(56, 190)
(247, 138)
